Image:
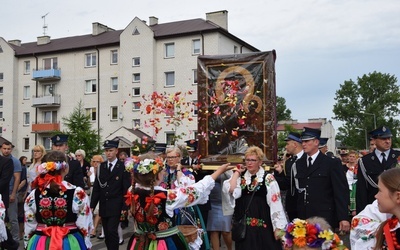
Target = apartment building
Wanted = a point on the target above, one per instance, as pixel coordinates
(109, 71)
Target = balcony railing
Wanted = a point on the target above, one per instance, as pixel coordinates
(46, 74)
(46, 101)
(45, 127)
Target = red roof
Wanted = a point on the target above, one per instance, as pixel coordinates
(300, 126)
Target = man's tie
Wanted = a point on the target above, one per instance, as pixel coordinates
(109, 167)
(383, 159)
(309, 161)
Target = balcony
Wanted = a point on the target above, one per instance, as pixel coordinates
(43, 75)
(45, 127)
(46, 101)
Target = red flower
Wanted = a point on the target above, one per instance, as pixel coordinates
(46, 213)
(139, 217)
(152, 220)
(60, 202)
(163, 226)
(253, 222)
(81, 194)
(172, 196)
(60, 213)
(190, 198)
(45, 202)
(274, 197)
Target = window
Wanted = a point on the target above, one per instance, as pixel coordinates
(169, 50)
(26, 144)
(136, 106)
(1, 103)
(90, 86)
(48, 90)
(27, 67)
(114, 113)
(136, 61)
(90, 60)
(1, 76)
(50, 63)
(169, 79)
(27, 118)
(194, 76)
(1, 49)
(114, 56)
(1, 90)
(46, 142)
(27, 92)
(195, 108)
(196, 47)
(136, 123)
(170, 138)
(50, 117)
(1, 131)
(235, 49)
(91, 112)
(136, 92)
(1, 115)
(136, 77)
(114, 84)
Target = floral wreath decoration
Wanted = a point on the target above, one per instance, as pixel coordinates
(50, 166)
(300, 233)
(137, 166)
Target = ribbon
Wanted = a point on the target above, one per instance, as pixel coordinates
(156, 199)
(129, 197)
(56, 234)
(42, 182)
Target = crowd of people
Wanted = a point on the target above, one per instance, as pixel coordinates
(62, 201)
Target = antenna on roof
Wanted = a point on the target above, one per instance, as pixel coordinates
(44, 23)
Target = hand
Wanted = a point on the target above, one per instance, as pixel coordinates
(196, 167)
(12, 198)
(240, 168)
(344, 226)
(221, 169)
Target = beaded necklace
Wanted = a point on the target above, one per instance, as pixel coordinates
(392, 222)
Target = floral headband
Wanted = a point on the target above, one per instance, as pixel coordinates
(301, 233)
(135, 165)
(51, 166)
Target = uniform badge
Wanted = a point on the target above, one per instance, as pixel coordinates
(117, 178)
(383, 129)
(57, 138)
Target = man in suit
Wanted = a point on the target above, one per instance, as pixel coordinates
(6, 173)
(109, 189)
(322, 185)
(370, 166)
(75, 174)
(285, 178)
(192, 159)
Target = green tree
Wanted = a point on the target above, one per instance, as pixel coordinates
(282, 112)
(374, 97)
(81, 134)
(283, 136)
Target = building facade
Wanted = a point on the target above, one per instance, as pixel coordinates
(110, 72)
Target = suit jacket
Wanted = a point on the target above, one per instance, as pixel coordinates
(75, 174)
(109, 189)
(326, 190)
(6, 172)
(185, 161)
(365, 193)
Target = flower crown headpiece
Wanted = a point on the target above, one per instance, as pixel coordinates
(301, 233)
(46, 167)
(135, 165)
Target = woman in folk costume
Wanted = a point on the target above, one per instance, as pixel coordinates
(57, 213)
(377, 226)
(153, 206)
(255, 193)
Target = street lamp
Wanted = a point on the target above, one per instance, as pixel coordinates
(363, 112)
(366, 138)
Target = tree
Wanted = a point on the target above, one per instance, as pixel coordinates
(375, 96)
(282, 112)
(81, 134)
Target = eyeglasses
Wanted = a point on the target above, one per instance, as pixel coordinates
(172, 157)
(37, 151)
(250, 160)
(96, 161)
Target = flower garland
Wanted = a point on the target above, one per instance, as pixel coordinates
(135, 165)
(300, 233)
(51, 166)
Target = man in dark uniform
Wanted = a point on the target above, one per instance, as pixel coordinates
(372, 165)
(322, 185)
(323, 145)
(285, 178)
(109, 189)
(192, 158)
(75, 174)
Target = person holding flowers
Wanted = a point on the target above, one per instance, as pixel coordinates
(152, 206)
(313, 233)
(266, 218)
(57, 213)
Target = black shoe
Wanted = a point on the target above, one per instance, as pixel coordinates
(121, 242)
(92, 236)
(100, 237)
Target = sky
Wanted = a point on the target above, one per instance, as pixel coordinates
(319, 43)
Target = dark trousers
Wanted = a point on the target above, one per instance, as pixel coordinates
(10, 243)
(110, 226)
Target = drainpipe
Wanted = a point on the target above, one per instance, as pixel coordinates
(37, 85)
(202, 43)
(98, 96)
